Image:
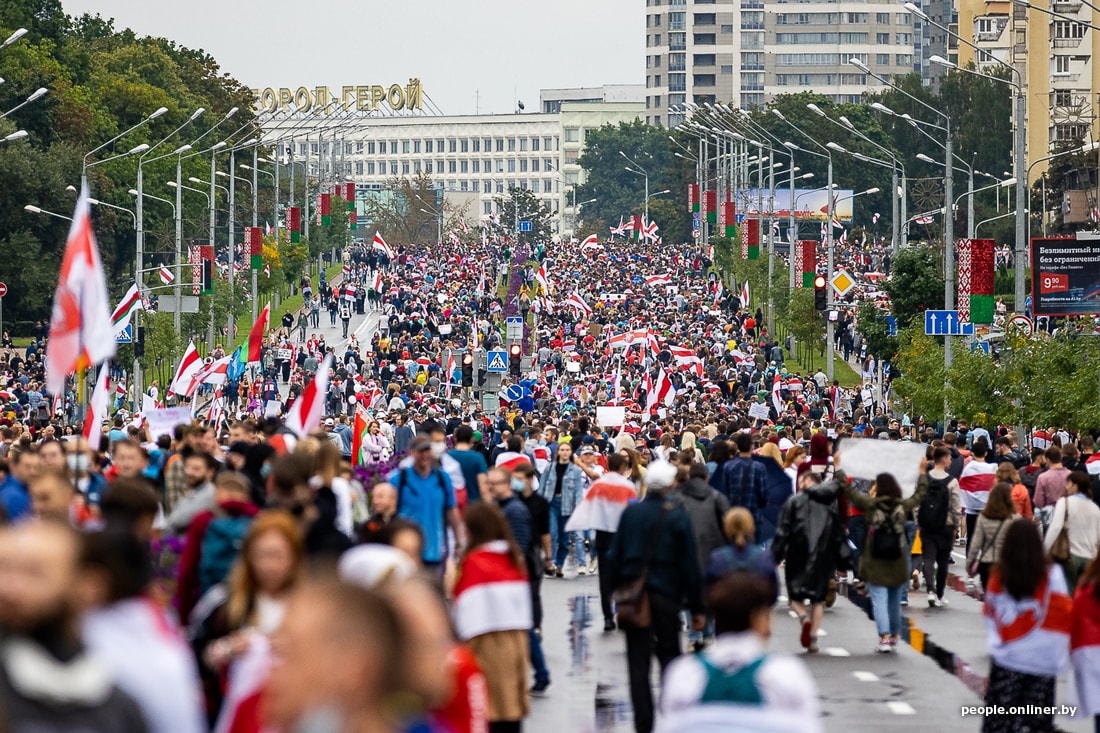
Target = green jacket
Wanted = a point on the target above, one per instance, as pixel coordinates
(885, 511)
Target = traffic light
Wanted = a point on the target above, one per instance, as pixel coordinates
(515, 358)
(821, 302)
(468, 370)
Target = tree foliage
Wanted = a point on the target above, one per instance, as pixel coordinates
(915, 285)
(522, 205)
(101, 82)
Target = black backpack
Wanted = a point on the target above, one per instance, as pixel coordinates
(885, 543)
(932, 514)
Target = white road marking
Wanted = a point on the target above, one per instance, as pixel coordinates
(865, 676)
(901, 708)
(835, 651)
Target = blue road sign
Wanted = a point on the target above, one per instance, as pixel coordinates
(891, 326)
(946, 323)
(980, 346)
(125, 336)
(525, 226)
(739, 218)
(513, 320)
(496, 361)
(514, 393)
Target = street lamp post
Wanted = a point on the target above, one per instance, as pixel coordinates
(640, 171)
(86, 165)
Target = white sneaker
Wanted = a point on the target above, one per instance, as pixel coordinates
(884, 647)
(592, 566)
(582, 570)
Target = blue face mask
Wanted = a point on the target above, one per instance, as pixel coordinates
(519, 486)
(265, 470)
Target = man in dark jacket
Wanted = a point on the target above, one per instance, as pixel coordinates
(673, 581)
(810, 537)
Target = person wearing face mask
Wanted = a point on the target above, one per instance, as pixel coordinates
(426, 496)
(450, 466)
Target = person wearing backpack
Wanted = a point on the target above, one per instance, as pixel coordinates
(884, 562)
(938, 520)
(214, 540)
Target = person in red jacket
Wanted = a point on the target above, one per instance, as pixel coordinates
(232, 491)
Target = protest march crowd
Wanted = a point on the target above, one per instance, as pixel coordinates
(315, 536)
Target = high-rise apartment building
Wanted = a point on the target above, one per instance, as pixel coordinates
(1055, 56)
(745, 52)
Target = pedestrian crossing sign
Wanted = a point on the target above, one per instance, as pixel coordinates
(497, 362)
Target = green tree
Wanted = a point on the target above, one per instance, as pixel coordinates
(920, 380)
(403, 212)
(529, 208)
(916, 285)
(873, 326)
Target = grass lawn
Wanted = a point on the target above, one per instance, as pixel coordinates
(842, 371)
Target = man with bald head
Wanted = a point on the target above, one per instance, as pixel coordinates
(40, 591)
(383, 504)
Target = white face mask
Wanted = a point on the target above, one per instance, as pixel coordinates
(438, 449)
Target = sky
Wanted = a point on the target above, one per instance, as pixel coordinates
(469, 55)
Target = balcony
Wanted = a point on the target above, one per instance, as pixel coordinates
(677, 45)
(677, 25)
(752, 4)
(1066, 42)
(752, 67)
(748, 25)
(987, 36)
(1066, 7)
(678, 66)
(678, 87)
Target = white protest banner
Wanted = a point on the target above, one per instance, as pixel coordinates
(866, 458)
(282, 353)
(610, 417)
(759, 411)
(164, 421)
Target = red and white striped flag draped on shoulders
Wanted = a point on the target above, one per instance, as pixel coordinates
(492, 594)
(81, 333)
(777, 383)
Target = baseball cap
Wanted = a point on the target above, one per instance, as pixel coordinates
(587, 451)
(419, 443)
(330, 423)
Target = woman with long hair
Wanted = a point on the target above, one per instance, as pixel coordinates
(884, 564)
(795, 457)
(1028, 614)
(496, 631)
(235, 616)
(988, 539)
(1020, 498)
(376, 446)
(1081, 517)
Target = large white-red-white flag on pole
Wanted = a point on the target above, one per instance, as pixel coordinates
(381, 246)
(97, 410)
(185, 373)
(81, 334)
(305, 415)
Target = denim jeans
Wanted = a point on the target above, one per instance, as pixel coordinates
(857, 533)
(559, 538)
(538, 659)
(886, 603)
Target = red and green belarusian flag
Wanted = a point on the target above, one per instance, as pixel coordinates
(693, 198)
(976, 301)
(130, 303)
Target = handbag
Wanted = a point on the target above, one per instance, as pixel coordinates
(1059, 551)
(632, 610)
(972, 568)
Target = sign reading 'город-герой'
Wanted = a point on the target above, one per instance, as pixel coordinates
(365, 98)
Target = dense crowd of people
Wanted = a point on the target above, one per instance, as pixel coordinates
(231, 575)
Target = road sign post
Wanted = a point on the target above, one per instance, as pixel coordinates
(3, 292)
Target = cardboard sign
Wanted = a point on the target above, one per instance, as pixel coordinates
(866, 459)
(759, 411)
(610, 417)
(283, 354)
(164, 421)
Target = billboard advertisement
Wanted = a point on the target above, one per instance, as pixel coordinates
(809, 204)
(1065, 275)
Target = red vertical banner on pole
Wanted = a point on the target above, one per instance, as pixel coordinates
(731, 218)
(805, 256)
(693, 197)
(975, 300)
(254, 243)
(710, 206)
(206, 255)
(325, 209)
(750, 238)
(294, 223)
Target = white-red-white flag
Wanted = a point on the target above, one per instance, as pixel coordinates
(166, 276)
(591, 242)
(305, 416)
(81, 334)
(189, 365)
(655, 280)
(97, 410)
(381, 246)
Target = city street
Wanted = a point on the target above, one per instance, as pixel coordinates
(860, 690)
